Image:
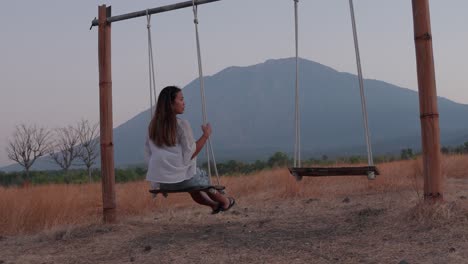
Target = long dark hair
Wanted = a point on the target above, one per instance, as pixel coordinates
(163, 127)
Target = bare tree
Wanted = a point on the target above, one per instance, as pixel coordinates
(65, 148)
(28, 144)
(89, 144)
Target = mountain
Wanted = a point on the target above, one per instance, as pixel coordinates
(251, 110)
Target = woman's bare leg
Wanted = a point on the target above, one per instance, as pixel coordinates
(202, 198)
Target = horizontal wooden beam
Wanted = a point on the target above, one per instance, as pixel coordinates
(151, 11)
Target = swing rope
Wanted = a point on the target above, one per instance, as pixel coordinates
(297, 143)
(209, 149)
(152, 79)
(361, 89)
(298, 171)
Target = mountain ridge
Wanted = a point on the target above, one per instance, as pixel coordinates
(251, 110)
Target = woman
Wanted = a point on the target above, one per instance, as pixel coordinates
(171, 152)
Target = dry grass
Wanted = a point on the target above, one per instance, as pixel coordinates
(32, 209)
(277, 220)
(455, 166)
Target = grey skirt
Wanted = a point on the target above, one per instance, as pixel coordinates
(199, 180)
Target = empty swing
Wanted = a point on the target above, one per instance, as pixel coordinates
(297, 171)
(209, 148)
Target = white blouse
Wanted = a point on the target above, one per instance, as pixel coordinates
(172, 164)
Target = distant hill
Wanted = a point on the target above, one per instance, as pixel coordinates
(251, 110)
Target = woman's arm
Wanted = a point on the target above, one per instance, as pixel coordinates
(147, 150)
(202, 140)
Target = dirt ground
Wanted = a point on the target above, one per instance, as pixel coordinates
(366, 228)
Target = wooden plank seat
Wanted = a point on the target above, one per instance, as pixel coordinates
(369, 171)
(165, 193)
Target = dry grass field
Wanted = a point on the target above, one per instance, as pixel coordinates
(275, 220)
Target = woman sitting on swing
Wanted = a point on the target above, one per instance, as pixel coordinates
(171, 153)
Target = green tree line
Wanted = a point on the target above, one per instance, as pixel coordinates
(230, 167)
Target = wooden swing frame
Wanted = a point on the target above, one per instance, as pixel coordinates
(433, 180)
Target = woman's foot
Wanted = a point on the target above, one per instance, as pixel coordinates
(231, 203)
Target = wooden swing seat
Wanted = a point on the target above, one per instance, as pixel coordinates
(333, 171)
(165, 193)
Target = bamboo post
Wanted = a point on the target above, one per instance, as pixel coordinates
(429, 115)
(105, 106)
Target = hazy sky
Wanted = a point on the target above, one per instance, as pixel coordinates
(48, 55)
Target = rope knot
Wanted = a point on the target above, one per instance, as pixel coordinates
(195, 21)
